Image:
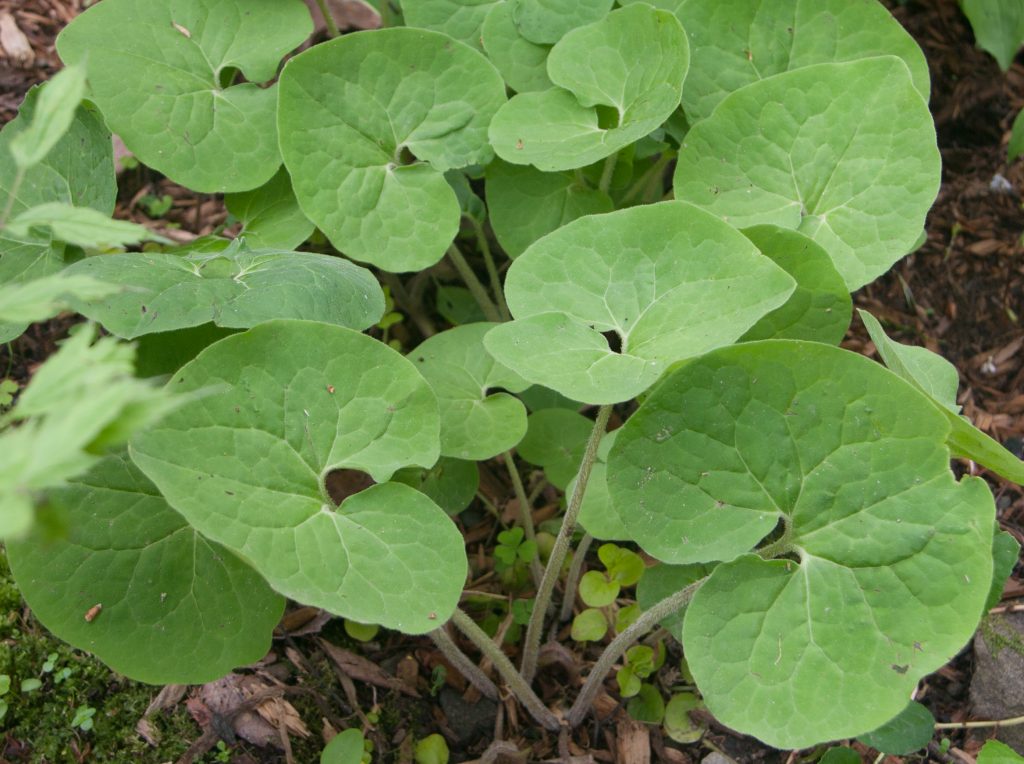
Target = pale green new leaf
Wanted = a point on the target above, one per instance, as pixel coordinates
(526, 204)
(54, 112)
(369, 124)
(820, 307)
(669, 280)
(546, 21)
(829, 644)
(162, 75)
(81, 226)
(522, 63)
(476, 424)
(939, 380)
(998, 27)
(636, 61)
(236, 288)
(175, 607)
(270, 215)
(286, 403)
(844, 153)
(460, 19)
(44, 298)
(736, 42)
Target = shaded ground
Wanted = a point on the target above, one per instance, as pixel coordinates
(961, 295)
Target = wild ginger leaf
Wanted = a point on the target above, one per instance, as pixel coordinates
(157, 70)
(546, 21)
(236, 288)
(369, 124)
(459, 19)
(270, 215)
(451, 483)
(247, 463)
(668, 280)
(555, 440)
(175, 607)
(844, 153)
(642, 58)
(522, 63)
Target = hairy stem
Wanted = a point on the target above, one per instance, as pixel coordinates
(332, 25)
(520, 688)
(463, 664)
(645, 180)
(608, 172)
(573, 579)
(525, 515)
(492, 270)
(561, 547)
(647, 620)
(1012, 722)
(475, 287)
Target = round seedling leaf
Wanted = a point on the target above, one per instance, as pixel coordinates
(596, 110)
(236, 288)
(369, 124)
(526, 204)
(523, 64)
(161, 75)
(820, 307)
(589, 626)
(647, 705)
(893, 557)
(284, 405)
(679, 725)
(451, 483)
(666, 281)
(270, 215)
(736, 42)
(908, 731)
(134, 584)
(555, 440)
(476, 423)
(596, 590)
(844, 153)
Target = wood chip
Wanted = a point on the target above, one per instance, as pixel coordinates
(633, 741)
(14, 44)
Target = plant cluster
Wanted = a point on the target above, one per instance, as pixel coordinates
(667, 204)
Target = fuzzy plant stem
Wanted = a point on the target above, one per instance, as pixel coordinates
(475, 287)
(332, 25)
(463, 664)
(561, 548)
(525, 515)
(492, 270)
(573, 579)
(520, 688)
(608, 172)
(647, 621)
(407, 303)
(654, 171)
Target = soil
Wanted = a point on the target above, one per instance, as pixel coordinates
(961, 295)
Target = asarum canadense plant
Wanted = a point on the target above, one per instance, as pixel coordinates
(683, 194)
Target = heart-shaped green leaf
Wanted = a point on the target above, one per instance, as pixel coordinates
(288, 402)
(908, 731)
(546, 21)
(669, 280)
(555, 440)
(596, 590)
(236, 288)
(844, 153)
(526, 204)
(839, 451)
(820, 307)
(522, 63)
(476, 424)
(451, 483)
(636, 57)
(174, 606)
(736, 42)
(270, 214)
(369, 124)
(162, 75)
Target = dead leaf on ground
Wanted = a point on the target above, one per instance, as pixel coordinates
(363, 670)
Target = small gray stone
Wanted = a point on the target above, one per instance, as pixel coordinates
(717, 758)
(997, 687)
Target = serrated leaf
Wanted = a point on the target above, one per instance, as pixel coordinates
(523, 64)
(820, 307)
(998, 26)
(175, 607)
(669, 280)
(246, 465)
(78, 170)
(81, 226)
(352, 111)
(476, 423)
(844, 153)
(546, 21)
(736, 42)
(555, 440)
(155, 71)
(596, 590)
(589, 626)
(236, 288)
(908, 731)
(526, 204)
(459, 19)
(640, 59)
(829, 645)
(53, 114)
(451, 483)
(270, 215)
(40, 299)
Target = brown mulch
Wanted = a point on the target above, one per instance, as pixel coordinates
(960, 295)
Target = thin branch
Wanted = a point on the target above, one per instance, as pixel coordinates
(1012, 722)
(463, 664)
(332, 25)
(573, 579)
(561, 547)
(525, 515)
(608, 172)
(475, 287)
(492, 270)
(655, 170)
